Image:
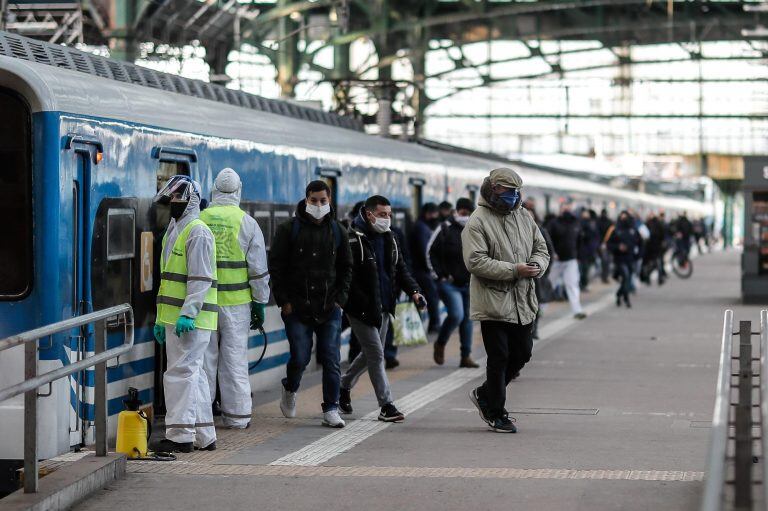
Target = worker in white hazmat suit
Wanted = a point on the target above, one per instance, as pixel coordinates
(243, 292)
(187, 313)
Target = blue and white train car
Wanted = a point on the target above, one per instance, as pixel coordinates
(85, 144)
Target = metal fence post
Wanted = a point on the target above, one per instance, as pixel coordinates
(30, 420)
(743, 418)
(100, 390)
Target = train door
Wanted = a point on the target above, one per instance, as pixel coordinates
(86, 152)
(417, 196)
(331, 178)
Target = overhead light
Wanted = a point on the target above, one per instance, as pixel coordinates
(761, 7)
(758, 31)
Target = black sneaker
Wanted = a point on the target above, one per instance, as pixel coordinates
(503, 425)
(390, 414)
(391, 363)
(216, 409)
(169, 446)
(209, 447)
(345, 401)
(474, 396)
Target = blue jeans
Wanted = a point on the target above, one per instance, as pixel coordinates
(456, 300)
(328, 355)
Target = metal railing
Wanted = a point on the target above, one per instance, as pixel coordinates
(32, 381)
(730, 483)
(718, 448)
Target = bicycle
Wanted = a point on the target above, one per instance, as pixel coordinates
(682, 266)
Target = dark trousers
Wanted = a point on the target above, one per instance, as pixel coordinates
(624, 271)
(429, 290)
(508, 346)
(328, 355)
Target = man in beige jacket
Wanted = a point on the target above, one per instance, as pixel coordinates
(504, 251)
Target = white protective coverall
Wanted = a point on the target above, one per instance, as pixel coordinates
(188, 416)
(228, 349)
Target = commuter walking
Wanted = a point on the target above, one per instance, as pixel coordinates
(565, 231)
(624, 243)
(390, 350)
(445, 255)
(653, 255)
(588, 245)
(504, 251)
(311, 270)
(379, 275)
(544, 291)
(445, 211)
(243, 293)
(420, 235)
(187, 313)
(603, 224)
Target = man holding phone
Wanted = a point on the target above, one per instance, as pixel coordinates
(504, 251)
(379, 274)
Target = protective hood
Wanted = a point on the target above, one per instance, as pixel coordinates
(227, 189)
(504, 177)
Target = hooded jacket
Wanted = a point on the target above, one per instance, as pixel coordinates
(250, 238)
(366, 300)
(495, 240)
(200, 260)
(311, 272)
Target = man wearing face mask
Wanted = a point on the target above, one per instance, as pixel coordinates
(187, 313)
(421, 233)
(565, 231)
(243, 292)
(447, 264)
(504, 251)
(311, 268)
(379, 275)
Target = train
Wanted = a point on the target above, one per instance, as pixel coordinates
(86, 144)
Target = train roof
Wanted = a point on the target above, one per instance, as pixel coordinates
(58, 89)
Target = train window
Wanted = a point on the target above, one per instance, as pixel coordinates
(279, 218)
(121, 234)
(398, 219)
(331, 178)
(472, 192)
(417, 196)
(15, 198)
(264, 219)
(168, 169)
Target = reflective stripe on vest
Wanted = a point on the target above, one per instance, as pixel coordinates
(225, 223)
(173, 284)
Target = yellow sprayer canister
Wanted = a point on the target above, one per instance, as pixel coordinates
(132, 428)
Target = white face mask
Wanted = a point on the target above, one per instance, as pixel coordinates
(462, 220)
(318, 212)
(381, 225)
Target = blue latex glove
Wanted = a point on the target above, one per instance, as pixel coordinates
(184, 325)
(257, 315)
(159, 332)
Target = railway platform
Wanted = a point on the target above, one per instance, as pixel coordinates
(613, 412)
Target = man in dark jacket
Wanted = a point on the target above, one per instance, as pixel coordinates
(589, 243)
(603, 224)
(624, 243)
(379, 275)
(565, 231)
(653, 256)
(445, 256)
(311, 269)
(419, 237)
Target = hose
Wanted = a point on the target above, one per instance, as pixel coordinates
(253, 364)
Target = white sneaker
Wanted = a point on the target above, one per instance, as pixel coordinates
(332, 419)
(288, 404)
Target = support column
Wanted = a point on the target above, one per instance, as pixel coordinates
(122, 41)
(287, 53)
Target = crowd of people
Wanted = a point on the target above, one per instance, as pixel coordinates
(494, 263)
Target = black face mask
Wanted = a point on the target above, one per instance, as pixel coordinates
(177, 209)
(433, 222)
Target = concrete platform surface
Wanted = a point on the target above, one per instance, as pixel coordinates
(613, 413)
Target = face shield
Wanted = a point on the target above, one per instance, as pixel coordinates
(178, 189)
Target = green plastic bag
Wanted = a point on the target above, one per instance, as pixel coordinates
(409, 331)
